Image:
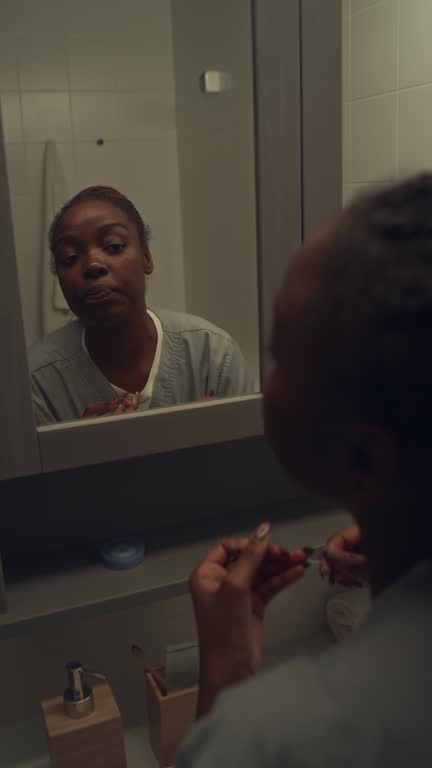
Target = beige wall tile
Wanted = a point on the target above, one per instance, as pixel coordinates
(415, 130)
(374, 138)
(373, 50)
(415, 63)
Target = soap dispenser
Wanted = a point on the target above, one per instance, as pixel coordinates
(84, 725)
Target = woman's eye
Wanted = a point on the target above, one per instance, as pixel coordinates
(69, 261)
(115, 248)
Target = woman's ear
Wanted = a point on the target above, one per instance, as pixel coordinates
(148, 262)
(373, 467)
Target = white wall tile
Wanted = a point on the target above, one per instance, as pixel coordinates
(8, 70)
(346, 53)
(144, 170)
(97, 115)
(100, 164)
(148, 69)
(415, 130)
(38, 22)
(374, 50)
(359, 5)
(43, 69)
(365, 188)
(11, 115)
(415, 42)
(134, 21)
(374, 138)
(101, 22)
(347, 142)
(347, 194)
(92, 69)
(17, 169)
(120, 116)
(46, 116)
(352, 191)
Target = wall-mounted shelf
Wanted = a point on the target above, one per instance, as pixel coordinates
(164, 574)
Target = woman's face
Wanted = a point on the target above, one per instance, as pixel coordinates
(100, 262)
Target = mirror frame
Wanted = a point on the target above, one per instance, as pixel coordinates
(298, 158)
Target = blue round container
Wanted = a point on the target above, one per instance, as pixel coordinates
(122, 554)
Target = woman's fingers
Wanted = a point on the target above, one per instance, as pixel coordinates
(275, 565)
(225, 551)
(343, 568)
(325, 568)
(127, 404)
(275, 562)
(344, 557)
(100, 408)
(273, 586)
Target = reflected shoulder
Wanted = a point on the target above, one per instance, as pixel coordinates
(58, 345)
(182, 322)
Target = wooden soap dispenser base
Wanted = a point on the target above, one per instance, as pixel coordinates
(84, 725)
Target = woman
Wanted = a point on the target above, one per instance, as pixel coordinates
(119, 356)
(348, 412)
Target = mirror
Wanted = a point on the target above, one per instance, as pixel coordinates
(152, 99)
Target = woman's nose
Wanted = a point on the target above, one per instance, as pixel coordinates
(93, 269)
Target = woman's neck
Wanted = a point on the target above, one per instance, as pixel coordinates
(122, 346)
(396, 538)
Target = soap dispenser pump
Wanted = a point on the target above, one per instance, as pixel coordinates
(78, 698)
(84, 725)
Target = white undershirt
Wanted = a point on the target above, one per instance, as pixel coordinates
(146, 394)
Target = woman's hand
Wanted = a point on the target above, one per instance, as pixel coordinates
(125, 404)
(230, 590)
(344, 561)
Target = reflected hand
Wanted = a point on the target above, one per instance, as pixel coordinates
(230, 591)
(344, 560)
(125, 404)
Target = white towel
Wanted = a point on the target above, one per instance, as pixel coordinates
(346, 612)
(54, 309)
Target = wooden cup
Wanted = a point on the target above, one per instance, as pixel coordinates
(170, 718)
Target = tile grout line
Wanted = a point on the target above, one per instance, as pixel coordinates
(398, 47)
(71, 115)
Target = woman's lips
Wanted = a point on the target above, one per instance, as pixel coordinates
(98, 295)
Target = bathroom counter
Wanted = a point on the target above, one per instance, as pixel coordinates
(101, 633)
(139, 753)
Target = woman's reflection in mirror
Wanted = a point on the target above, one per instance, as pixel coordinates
(119, 355)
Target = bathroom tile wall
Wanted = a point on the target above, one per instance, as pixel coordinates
(77, 72)
(387, 91)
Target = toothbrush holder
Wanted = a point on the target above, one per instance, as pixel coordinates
(170, 718)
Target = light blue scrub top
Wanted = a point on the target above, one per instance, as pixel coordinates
(361, 705)
(197, 360)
